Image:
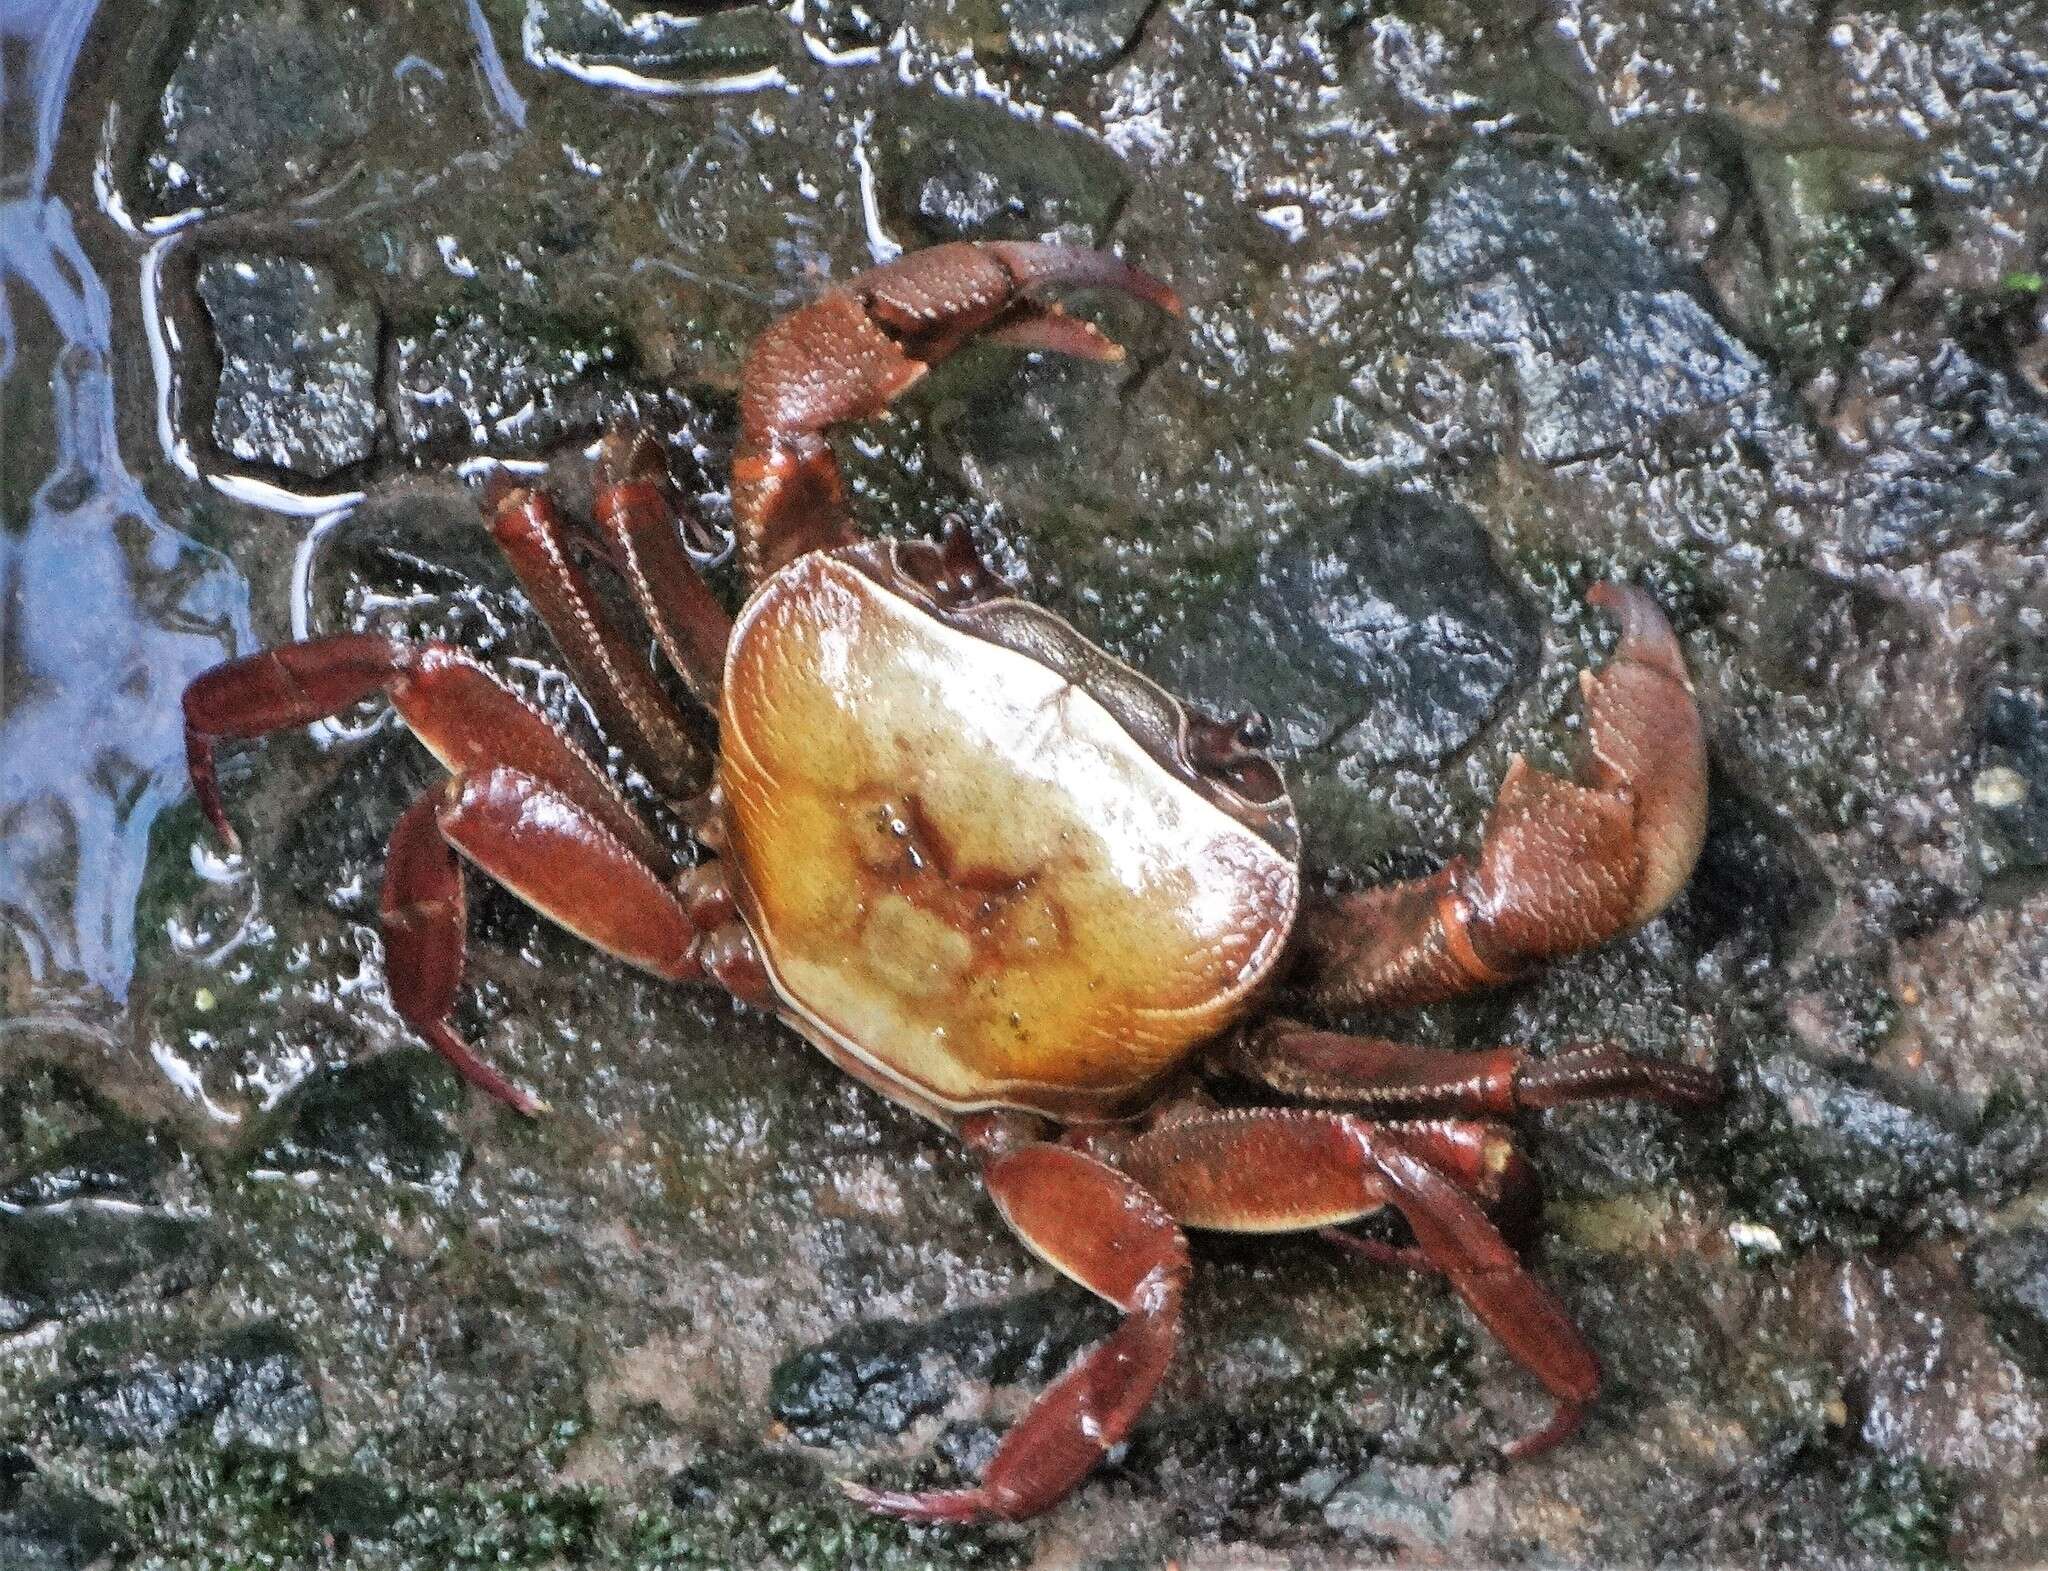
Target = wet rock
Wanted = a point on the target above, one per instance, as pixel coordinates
(847, 25)
(249, 1388)
(1757, 888)
(1823, 1156)
(45, 1527)
(418, 562)
(2010, 1154)
(385, 1117)
(2010, 787)
(353, 1506)
(1389, 634)
(117, 1161)
(333, 847)
(1812, 1503)
(1805, 281)
(264, 97)
(57, 1261)
(298, 364)
(1406, 1507)
(743, 1505)
(1807, 625)
(964, 168)
(1537, 261)
(1064, 35)
(1933, 447)
(599, 41)
(874, 1379)
(500, 376)
(2010, 1275)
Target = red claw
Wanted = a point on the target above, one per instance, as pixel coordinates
(1563, 864)
(853, 351)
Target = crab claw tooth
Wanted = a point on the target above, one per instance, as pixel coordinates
(937, 1505)
(1034, 265)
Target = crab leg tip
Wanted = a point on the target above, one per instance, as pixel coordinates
(216, 816)
(501, 489)
(1564, 1423)
(939, 1505)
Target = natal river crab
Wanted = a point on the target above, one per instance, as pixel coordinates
(1004, 879)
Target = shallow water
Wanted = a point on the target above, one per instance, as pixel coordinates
(109, 610)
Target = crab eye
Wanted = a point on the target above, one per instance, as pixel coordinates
(1232, 753)
(951, 572)
(1217, 747)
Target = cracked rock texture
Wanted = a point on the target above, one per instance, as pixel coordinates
(1485, 303)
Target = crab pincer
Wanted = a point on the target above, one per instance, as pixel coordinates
(1563, 864)
(854, 350)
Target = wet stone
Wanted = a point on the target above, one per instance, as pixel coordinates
(963, 168)
(1408, 1507)
(2010, 1275)
(874, 1379)
(1936, 447)
(352, 1506)
(500, 376)
(417, 562)
(333, 848)
(1536, 261)
(846, 25)
(248, 1388)
(261, 100)
(1827, 1157)
(744, 1505)
(1811, 1503)
(298, 364)
(385, 1117)
(2010, 788)
(1064, 35)
(114, 1162)
(1388, 634)
(596, 40)
(1757, 888)
(45, 1527)
(56, 1262)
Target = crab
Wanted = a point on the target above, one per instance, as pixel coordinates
(1003, 878)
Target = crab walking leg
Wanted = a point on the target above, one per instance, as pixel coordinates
(425, 923)
(1103, 1230)
(1326, 1066)
(636, 512)
(1481, 1158)
(463, 715)
(1268, 1171)
(619, 683)
(1563, 864)
(850, 353)
(538, 842)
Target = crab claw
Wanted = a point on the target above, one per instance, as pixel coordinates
(1563, 864)
(851, 352)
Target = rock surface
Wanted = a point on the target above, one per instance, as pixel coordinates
(1743, 302)
(298, 365)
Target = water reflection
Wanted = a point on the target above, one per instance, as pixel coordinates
(105, 611)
